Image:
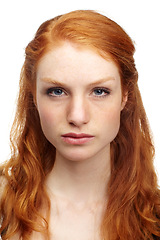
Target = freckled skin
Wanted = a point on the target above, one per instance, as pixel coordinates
(79, 110)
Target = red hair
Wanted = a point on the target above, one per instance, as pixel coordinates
(133, 207)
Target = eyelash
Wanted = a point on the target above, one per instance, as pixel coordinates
(50, 91)
(105, 91)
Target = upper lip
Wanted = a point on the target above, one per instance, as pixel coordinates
(77, 135)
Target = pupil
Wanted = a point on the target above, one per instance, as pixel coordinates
(99, 91)
(58, 91)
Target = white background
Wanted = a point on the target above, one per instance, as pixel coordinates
(19, 21)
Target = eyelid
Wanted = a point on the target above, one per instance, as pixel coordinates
(102, 88)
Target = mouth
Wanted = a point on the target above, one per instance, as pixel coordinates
(77, 139)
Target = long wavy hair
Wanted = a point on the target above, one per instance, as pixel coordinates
(133, 206)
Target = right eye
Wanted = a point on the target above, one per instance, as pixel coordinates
(55, 92)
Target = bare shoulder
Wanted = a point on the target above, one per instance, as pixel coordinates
(15, 237)
(3, 183)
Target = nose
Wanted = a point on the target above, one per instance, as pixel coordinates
(78, 112)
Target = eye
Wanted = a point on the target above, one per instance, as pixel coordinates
(101, 92)
(55, 92)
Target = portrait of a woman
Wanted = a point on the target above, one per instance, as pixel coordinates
(82, 153)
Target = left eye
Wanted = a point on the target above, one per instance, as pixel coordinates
(101, 92)
(55, 92)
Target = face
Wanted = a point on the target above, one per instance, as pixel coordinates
(79, 100)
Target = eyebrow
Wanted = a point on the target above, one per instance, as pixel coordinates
(100, 81)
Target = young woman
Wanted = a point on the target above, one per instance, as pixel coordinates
(82, 153)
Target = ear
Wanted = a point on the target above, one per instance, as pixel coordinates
(124, 100)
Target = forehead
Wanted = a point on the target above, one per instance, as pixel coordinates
(71, 62)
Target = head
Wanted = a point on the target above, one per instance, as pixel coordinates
(85, 31)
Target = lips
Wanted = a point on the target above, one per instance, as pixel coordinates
(76, 135)
(77, 139)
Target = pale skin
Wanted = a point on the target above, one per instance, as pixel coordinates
(78, 91)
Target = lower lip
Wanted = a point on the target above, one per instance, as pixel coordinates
(77, 141)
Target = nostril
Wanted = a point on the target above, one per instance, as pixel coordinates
(78, 119)
(72, 123)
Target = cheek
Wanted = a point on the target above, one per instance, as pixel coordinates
(115, 121)
(47, 118)
(111, 121)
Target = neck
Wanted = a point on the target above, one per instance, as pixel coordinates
(80, 181)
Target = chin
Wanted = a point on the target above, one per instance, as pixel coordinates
(77, 155)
